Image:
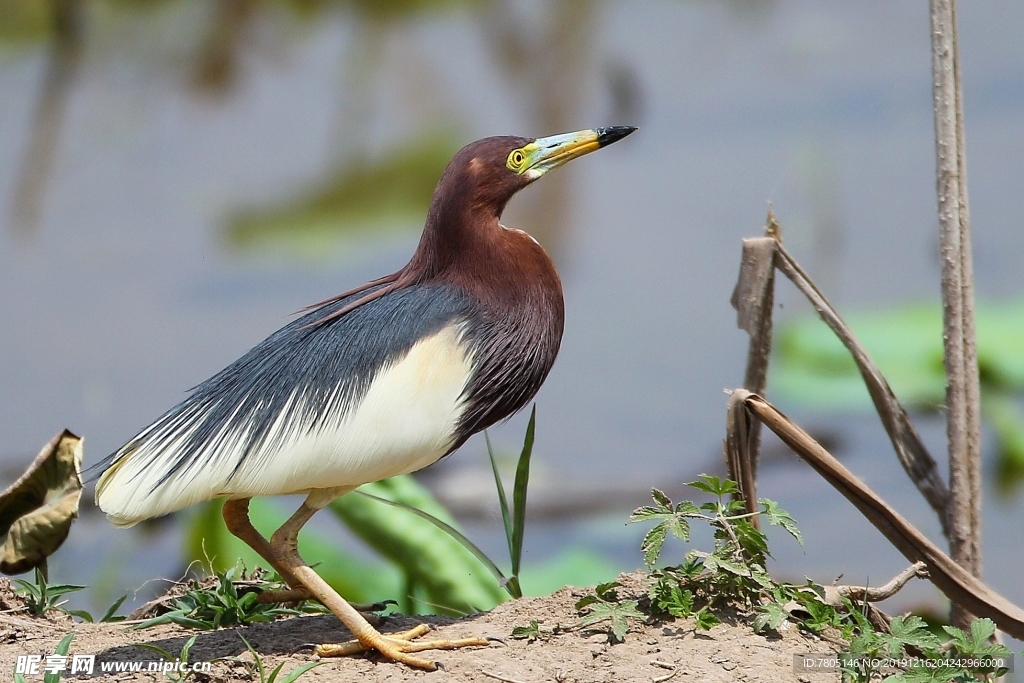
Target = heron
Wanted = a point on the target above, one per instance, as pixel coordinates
(381, 380)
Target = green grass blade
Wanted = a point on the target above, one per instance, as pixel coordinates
(506, 516)
(447, 528)
(449, 577)
(298, 671)
(111, 613)
(519, 494)
(274, 673)
(513, 587)
(257, 660)
(157, 649)
(62, 649)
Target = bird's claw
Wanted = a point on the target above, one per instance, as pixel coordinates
(399, 646)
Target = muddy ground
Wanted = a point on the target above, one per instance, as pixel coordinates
(651, 653)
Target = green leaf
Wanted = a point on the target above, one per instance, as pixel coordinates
(294, 673)
(519, 493)
(42, 596)
(448, 529)
(673, 520)
(714, 485)
(661, 499)
(730, 566)
(606, 591)
(275, 672)
(753, 542)
(529, 633)
(909, 630)
(977, 642)
(157, 649)
(506, 515)
(186, 649)
(705, 619)
(769, 616)
(62, 649)
(445, 571)
(776, 516)
(618, 614)
(761, 576)
(652, 544)
(668, 596)
(688, 509)
(981, 631)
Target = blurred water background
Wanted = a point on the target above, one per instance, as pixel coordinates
(178, 176)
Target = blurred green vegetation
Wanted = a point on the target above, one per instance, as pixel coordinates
(30, 21)
(813, 369)
(360, 199)
(24, 21)
(420, 566)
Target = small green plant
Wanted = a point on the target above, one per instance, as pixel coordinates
(62, 649)
(962, 656)
(51, 676)
(605, 605)
(734, 575)
(256, 667)
(182, 672)
(41, 597)
(534, 631)
(222, 604)
(515, 520)
(735, 572)
(109, 616)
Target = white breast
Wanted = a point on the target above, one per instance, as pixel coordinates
(406, 421)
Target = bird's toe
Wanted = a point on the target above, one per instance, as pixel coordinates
(400, 646)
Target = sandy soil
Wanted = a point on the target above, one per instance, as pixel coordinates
(654, 653)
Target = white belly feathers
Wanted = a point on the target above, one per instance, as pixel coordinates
(406, 421)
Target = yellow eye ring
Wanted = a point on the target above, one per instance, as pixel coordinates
(516, 160)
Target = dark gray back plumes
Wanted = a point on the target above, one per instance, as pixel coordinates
(308, 375)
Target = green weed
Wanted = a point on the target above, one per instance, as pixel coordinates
(223, 604)
(605, 605)
(41, 597)
(180, 658)
(734, 576)
(535, 632)
(109, 616)
(257, 667)
(514, 521)
(51, 676)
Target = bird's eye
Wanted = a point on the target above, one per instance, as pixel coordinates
(516, 160)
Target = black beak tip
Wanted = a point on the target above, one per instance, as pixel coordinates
(606, 136)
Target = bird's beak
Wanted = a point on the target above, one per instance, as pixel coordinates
(544, 154)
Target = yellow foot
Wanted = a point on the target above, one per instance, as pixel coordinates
(397, 646)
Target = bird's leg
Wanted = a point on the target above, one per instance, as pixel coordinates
(398, 647)
(236, 518)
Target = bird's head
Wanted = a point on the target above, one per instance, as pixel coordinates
(485, 174)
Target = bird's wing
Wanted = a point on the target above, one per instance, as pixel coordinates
(296, 395)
